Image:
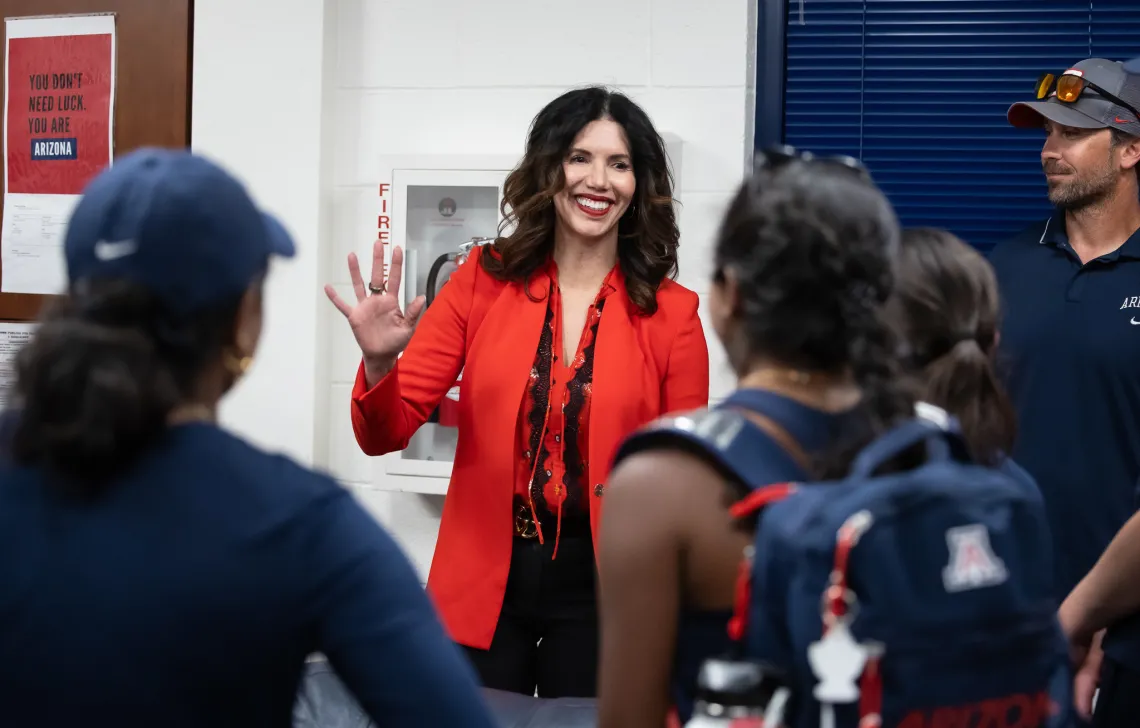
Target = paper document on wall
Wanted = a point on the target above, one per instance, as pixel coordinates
(12, 339)
(32, 237)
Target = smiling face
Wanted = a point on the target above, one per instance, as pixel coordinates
(600, 183)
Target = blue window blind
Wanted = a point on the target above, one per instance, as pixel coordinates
(918, 90)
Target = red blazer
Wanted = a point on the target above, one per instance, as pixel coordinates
(644, 366)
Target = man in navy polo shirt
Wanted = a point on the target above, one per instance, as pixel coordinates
(1070, 342)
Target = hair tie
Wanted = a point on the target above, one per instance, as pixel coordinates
(921, 359)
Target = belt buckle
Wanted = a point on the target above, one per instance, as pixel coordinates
(524, 523)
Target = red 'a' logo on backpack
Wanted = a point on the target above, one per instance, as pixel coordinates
(973, 564)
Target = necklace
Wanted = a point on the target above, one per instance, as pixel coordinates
(816, 389)
(775, 376)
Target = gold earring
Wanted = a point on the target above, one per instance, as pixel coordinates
(237, 366)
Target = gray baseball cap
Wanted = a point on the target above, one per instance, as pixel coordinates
(1132, 66)
(1091, 110)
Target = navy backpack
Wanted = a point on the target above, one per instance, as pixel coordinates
(913, 598)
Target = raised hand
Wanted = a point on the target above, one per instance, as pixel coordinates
(381, 329)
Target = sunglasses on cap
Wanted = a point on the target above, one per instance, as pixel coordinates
(783, 154)
(1069, 86)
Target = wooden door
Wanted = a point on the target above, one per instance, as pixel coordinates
(152, 92)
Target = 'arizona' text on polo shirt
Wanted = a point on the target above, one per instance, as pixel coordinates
(1070, 356)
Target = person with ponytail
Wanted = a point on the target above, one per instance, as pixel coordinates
(946, 309)
(156, 569)
(803, 266)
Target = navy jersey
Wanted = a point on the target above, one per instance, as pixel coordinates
(193, 591)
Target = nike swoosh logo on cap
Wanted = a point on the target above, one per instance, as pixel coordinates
(106, 250)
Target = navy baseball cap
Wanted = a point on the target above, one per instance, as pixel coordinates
(176, 224)
(1090, 110)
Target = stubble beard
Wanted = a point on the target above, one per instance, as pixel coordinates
(1085, 191)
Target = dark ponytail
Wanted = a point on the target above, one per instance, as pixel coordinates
(887, 396)
(810, 247)
(102, 374)
(946, 308)
(963, 382)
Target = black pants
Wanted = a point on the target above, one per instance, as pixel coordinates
(547, 635)
(1118, 704)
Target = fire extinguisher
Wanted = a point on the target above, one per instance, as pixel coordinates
(447, 413)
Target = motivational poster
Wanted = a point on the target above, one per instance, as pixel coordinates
(58, 131)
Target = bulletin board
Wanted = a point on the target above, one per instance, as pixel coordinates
(153, 63)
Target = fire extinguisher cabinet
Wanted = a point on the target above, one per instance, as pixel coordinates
(439, 211)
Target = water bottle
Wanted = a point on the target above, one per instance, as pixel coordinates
(739, 694)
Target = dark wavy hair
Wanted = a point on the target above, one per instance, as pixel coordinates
(647, 232)
(98, 381)
(810, 246)
(946, 308)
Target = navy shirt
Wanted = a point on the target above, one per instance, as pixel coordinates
(1070, 356)
(191, 594)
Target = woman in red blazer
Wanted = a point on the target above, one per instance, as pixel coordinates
(541, 411)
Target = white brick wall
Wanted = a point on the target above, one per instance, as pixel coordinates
(258, 108)
(447, 76)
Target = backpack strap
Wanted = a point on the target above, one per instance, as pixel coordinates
(753, 503)
(801, 426)
(721, 436)
(943, 442)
